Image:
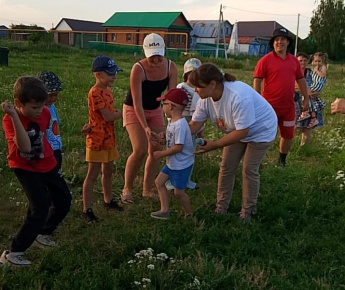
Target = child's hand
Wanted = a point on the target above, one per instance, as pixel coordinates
(118, 114)
(8, 108)
(86, 129)
(157, 155)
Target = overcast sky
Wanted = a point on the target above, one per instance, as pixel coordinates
(48, 13)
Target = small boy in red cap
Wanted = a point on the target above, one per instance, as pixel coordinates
(179, 154)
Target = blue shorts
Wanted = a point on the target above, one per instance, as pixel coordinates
(178, 178)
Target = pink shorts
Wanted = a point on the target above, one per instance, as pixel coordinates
(286, 122)
(153, 117)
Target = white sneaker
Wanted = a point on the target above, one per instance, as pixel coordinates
(44, 241)
(14, 259)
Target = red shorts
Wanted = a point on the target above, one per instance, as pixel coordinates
(286, 122)
(153, 117)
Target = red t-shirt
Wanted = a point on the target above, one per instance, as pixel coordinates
(279, 77)
(102, 134)
(41, 158)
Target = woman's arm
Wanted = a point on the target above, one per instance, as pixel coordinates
(136, 80)
(228, 139)
(172, 76)
(195, 126)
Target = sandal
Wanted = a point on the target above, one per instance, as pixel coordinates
(303, 116)
(313, 122)
(127, 198)
(153, 196)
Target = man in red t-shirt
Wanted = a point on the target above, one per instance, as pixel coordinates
(279, 70)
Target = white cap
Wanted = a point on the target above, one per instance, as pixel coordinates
(153, 45)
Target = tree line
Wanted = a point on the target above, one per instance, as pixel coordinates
(327, 30)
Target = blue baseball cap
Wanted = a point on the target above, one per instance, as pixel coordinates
(106, 64)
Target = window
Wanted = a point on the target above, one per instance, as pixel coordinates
(171, 38)
(128, 37)
(113, 37)
(183, 39)
(178, 37)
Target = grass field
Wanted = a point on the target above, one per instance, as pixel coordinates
(297, 240)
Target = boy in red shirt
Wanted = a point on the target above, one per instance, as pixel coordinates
(33, 162)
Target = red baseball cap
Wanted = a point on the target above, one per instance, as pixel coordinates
(177, 96)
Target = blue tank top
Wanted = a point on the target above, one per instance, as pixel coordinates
(151, 90)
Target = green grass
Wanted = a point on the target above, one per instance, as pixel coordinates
(296, 241)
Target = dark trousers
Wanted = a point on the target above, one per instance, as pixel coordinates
(58, 157)
(49, 202)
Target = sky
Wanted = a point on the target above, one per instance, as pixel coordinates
(48, 13)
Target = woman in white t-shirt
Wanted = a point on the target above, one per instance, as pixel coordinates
(249, 124)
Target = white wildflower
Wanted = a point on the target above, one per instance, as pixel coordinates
(130, 262)
(196, 282)
(137, 283)
(151, 267)
(146, 280)
(162, 257)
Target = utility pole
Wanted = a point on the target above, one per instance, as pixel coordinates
(296, 42)
(221, 27)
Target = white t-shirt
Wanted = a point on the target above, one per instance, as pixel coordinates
(178, 132)
(193, 98)
(240, 107)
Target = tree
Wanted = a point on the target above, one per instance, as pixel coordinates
(327, 27)
(30, 30)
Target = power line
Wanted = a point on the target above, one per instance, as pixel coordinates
(258, 12)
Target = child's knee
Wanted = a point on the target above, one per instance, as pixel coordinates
(179, 194)
(159, 183)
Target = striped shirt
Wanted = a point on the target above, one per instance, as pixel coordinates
(317, 82)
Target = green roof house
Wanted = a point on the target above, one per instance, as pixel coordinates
(132, 27)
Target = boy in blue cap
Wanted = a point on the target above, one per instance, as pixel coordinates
(101, 148)
(53, 86)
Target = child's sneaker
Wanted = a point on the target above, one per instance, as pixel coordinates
(14, 259)
(304, 115)
(313, 122)
(89, 216)
(112, 205)
(44, 241)
(160, 215)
